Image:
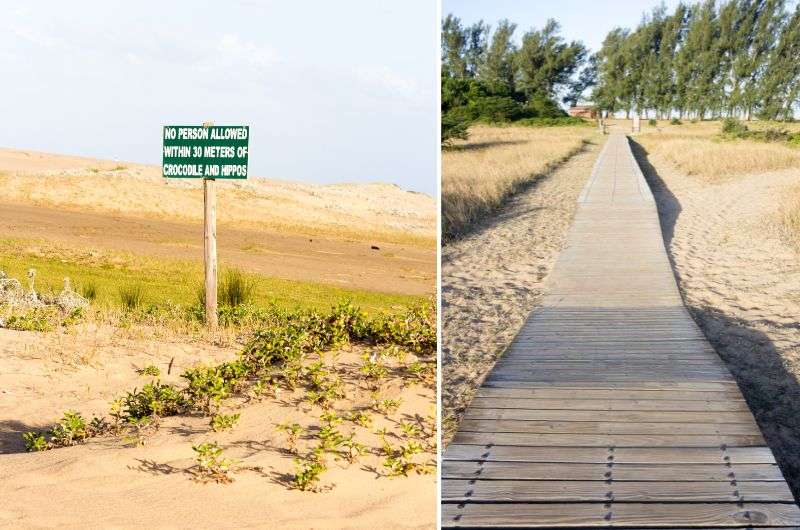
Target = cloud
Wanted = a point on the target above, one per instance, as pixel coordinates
(232, 49)
(384, 78)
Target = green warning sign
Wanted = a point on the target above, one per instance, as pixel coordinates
(212, 152)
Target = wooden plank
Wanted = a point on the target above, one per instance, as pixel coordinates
(602, 472)
(595, 393)
(622, 455)
(626, 416)
(639, 515)
(646, 384)
(599, 427)
(609, 404)
(461, 490)
(605, 440)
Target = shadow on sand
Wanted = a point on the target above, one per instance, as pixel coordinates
(771, 390)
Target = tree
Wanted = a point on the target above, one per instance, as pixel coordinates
(476, 37)
(781, 82)
(498, 68)
(586, 79)
(610, 89)
(545, 62)
(454, 46)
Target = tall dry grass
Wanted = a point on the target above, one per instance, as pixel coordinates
(697, 149)
(790, 216)
(480, 173)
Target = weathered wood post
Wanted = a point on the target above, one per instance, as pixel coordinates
(209, 152)
(210, 246)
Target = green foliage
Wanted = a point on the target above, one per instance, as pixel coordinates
(36, 319)
(34, 441)
(212, 464)
(208, 385)
(552, 122)
(70, 430)
(709, 59)
(88, 290)
(155, 399)
(308, 472)
(360, 417)
(652, 122)
(373, 367)
(149, 370)
(276, 354)
(675, 121)
(324, 387)
(399, 461)
(734, 127)
(293, 432)
(235, 289)
(221, 422)
(131, 296)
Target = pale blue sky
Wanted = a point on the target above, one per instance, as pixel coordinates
(339, 91)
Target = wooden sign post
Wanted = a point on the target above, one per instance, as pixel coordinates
(209, 152)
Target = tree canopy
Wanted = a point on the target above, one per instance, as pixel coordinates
(735, 58)
(487, 76)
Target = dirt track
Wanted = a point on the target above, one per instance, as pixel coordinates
(394, 268)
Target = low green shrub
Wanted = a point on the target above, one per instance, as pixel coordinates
(154, 399)
(552, 122)
(222, 422)
(652, 122)
(735, 128)
(675, 121)
(36, 319)
(212, 464)
(131, 296)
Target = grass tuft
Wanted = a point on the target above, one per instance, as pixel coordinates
(131, 296)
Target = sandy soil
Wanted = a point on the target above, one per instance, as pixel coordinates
(281, 229)
(741, 282)
(392, 268)
(105, 484)
(492, 279)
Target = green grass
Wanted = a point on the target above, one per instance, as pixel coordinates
(172, 281)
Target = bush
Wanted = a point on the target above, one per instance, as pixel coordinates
(773, 134)
(735, 128)
(539, 106)
(552, 122)
(495, 109)
(37, 319)
(675, 121)
(155, 399)
(235, 289)
(652, 122)
(131, 296)
(455, 125)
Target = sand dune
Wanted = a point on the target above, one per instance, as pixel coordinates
(374, 237)
(382, 211)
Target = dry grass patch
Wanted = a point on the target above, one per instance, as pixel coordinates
(790, 216)
(697, 149)
(478, 174)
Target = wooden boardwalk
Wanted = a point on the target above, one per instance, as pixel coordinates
(610, 408)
